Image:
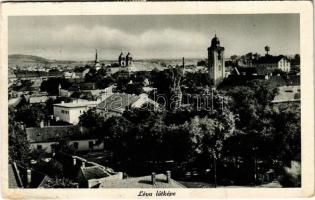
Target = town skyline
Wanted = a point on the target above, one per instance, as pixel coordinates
(156, 37)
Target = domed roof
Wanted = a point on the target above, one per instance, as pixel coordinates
(129, 54)
(215, 42)
(121, 55)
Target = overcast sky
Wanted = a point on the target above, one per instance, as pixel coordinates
(154, 36)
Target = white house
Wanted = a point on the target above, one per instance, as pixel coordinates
(70, 112)
(47, 138)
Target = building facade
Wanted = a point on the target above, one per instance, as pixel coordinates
(273, 62)
(70, 112)
(216, 63)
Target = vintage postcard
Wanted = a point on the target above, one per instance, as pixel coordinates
(157, 100)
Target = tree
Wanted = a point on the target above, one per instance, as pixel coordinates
(201, 63)
(51, 85)
(208, 136)
(19, 147)
(31, 115)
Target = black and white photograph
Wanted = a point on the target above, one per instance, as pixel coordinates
(159, 101)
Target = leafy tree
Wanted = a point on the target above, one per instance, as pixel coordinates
(19, 147)
(31, 115)
(208, 136)
(52, 84)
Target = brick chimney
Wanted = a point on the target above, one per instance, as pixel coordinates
(153, 178)
(29, 176)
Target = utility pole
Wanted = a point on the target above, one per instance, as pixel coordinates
(215, 169)
(255, 166)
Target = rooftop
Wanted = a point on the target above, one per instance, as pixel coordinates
(94, 172)
(117, 102)
(287, 94)
(269, 59)
(50, 133)
(76, 104)
(142, 182)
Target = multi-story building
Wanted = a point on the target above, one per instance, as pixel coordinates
(70, 112)
(273, 62)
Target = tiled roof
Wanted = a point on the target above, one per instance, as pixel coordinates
(142, 182)
(94, 172)
(38, 99)
(50, 133)
(25, 73)
(117, 102)
(268, 59)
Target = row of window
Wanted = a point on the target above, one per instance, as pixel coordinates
(64, 111)
(75, 145)
(67, 112)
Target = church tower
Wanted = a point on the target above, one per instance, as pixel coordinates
(216, 63)
(97, 64)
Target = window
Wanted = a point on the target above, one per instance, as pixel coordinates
(219, 67)
(76, 145)
(39, 147)
(91, 144)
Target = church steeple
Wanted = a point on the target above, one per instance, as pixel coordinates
(96, 57)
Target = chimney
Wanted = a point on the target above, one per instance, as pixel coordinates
(83, 164)
(62, 102)
(29, 176)
(74, 161)
(168, 176)
(42, 124)
(153, 179)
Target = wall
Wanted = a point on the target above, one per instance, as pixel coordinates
(45, 146)
(62, 116)
(84, 145)
(72, 114)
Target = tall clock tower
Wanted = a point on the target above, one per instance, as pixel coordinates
(216, 63)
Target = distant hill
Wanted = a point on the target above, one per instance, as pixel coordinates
(27, 58)
(30, 60)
